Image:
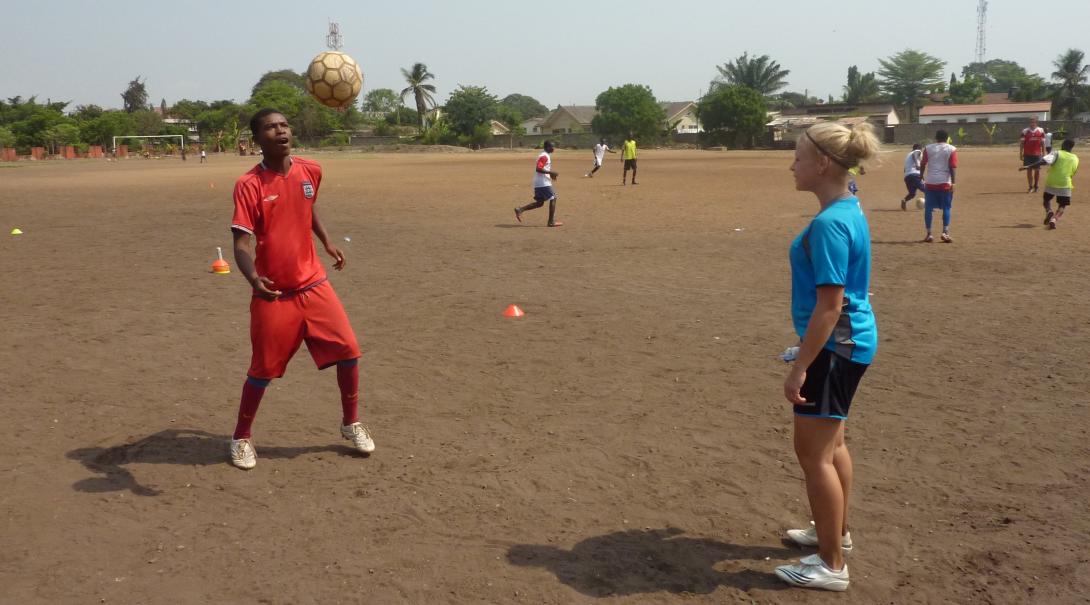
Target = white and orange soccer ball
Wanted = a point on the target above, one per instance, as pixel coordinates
(334, 79)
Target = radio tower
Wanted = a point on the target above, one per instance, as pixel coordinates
(981, 23)
(333, 39)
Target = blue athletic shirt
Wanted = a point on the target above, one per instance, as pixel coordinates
(834, 250)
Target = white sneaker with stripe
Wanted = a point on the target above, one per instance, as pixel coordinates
(811, 572)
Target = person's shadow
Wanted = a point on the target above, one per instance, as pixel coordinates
(639, 562)
(172, 446)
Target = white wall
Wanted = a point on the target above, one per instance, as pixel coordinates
(1041, 116)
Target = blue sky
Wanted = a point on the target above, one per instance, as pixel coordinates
(559, 51)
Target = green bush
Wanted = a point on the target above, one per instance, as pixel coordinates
(337, 139)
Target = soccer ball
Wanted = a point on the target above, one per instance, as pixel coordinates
(920, 203)
(334, 79)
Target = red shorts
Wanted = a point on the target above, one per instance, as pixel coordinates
(314, 315)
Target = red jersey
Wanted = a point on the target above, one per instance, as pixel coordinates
(278, 211)
(1033, 141)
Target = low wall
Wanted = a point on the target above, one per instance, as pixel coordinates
(1006, 133)
(579, 140)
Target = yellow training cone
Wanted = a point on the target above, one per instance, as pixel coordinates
(16, 231)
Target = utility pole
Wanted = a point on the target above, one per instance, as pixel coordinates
(981, 23)
(333, 40)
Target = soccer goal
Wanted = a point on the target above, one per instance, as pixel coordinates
(154, 137)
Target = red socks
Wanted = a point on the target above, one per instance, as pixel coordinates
(348, 379)
(252, 391)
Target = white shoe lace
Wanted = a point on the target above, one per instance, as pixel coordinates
(359, 434)
(241, 450)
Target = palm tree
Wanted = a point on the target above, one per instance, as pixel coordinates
(907, 76)
(1071, 75)
(861, 88)
(761, 74)
(421, 91)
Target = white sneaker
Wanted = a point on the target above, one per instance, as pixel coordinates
(808, 537)
(811, 572)
(359, 436)
(242, 454)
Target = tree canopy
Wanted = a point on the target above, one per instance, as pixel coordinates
(1000, 75)
(526, 106)
(909, 75)
(761, 74)
(1071, 94)
(286, 76)
(733, 115)
(967, 92)
(631, 108)
(423, 92)
(469, 107)
(135, 95)
(861, 88)
(382, 100)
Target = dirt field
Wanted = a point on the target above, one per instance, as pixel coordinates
(624, 442)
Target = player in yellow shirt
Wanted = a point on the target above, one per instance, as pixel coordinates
(1062, 168)
(628, 154)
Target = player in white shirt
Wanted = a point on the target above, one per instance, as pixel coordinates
(939, 167)
(599, 156)
(543, 186)
(913, 179)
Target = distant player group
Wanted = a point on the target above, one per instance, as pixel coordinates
(292, 301)
(933, 170)
(544, 175)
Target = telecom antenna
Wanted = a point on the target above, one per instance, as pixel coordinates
(981, 23)
(334, 41)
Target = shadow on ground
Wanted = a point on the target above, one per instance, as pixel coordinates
(172, 446)
(641, 562)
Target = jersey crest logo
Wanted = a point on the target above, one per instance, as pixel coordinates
(308, 190)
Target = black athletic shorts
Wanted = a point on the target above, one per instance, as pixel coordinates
(914, 183)
(1029, 160)
(830, 385)
(544, 194)
(1062, 200)
(630, 164)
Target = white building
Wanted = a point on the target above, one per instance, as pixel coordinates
(999, 112)
(681, 117)
(533, 125)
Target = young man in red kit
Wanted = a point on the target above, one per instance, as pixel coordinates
(292, 298)
(1031, 148)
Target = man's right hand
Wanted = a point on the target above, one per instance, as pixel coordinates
(263, 288)
(555, 175)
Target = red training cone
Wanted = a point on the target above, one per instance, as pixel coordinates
(513, 311)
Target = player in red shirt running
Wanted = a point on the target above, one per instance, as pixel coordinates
(1031, 149)
(292, 299)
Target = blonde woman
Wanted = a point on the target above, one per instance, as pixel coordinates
(830, 273)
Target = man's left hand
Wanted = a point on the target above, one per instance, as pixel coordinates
(338, 256)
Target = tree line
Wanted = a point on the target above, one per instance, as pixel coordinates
(733, 112)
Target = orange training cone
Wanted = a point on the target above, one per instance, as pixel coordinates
(220, 266)
(513, 311)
